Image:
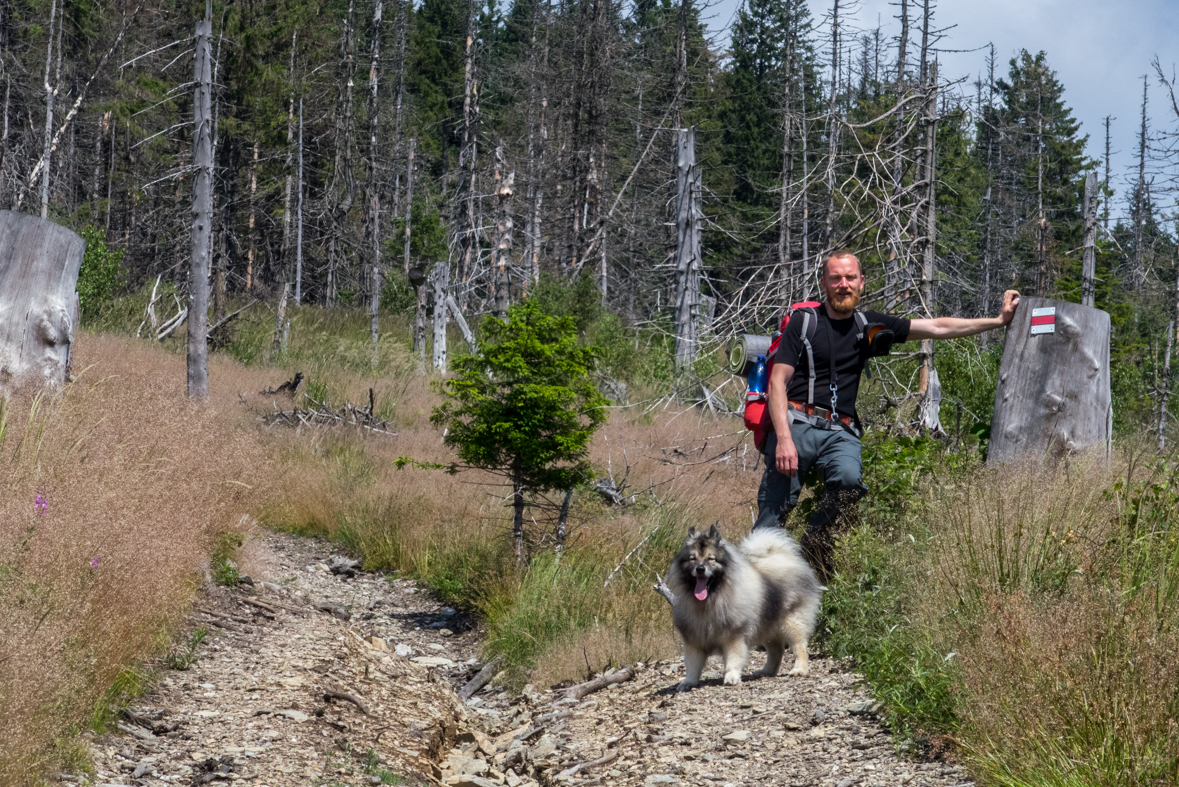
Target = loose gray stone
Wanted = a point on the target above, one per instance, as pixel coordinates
(467, 766)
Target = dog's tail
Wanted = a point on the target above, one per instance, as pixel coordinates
(766, 542)
(777, 556)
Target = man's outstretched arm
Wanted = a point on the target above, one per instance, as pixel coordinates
(957, 327)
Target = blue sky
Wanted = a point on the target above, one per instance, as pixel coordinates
(1100, 50)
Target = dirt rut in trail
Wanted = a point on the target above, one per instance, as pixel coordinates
(311, 677)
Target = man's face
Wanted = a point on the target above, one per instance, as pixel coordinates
(843, 283)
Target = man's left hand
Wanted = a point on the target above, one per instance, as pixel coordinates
(1010, 301)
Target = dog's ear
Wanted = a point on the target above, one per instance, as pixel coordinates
(691, 533)
(713, 533)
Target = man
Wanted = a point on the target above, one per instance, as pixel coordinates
(826, 436)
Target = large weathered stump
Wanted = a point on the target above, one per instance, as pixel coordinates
(1053, 395)
(39, 264)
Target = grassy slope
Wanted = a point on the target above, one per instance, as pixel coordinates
(1027, 617)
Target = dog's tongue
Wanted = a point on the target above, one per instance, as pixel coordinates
(701, 588)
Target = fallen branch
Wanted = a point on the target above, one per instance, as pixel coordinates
(599, 683)
(452, 304)
(262, 605)
(320, 413)
(345, 696)
(171, 325)
(226, 615)
(662, 589)
(229, 317)
(150, 311)
(549, 718)
(585, 766)
(480, 680)
(274, 605)
(628, 556)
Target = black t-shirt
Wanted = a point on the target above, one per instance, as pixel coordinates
(848, 360)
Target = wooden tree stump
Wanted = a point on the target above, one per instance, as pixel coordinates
(1053, 395)
(39, 265)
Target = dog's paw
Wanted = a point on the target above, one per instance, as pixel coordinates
(680, 689)
(799, 669)
(764, 673)
(732, 678)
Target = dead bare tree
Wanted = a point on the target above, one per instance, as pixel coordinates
(503, 248)
(688, 251)
(202, 210)
(343, 188)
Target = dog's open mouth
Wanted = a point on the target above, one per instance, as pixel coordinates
(701, 591)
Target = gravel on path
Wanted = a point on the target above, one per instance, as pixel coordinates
(319, 674)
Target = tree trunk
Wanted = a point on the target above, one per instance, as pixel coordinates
(39, 264)
(441, 277)
(518, 511)
(299, 218)
(782, 277)
(988, 222)
(929, 261)
(1042, 220)
(375, 302)
(1138, 274)
(408, 200)
(403, 7)
(424, 294)
(832, 130)
(688, 257)
(253, 211)
(371, 188)
(343, 189)
(280, 318)
(50, 95)
(503, 248)
(465, 195)
(286, 204)
(202, 214)
(1105, 183)
(1089, 258)
(1053, 395)
(1166, 391)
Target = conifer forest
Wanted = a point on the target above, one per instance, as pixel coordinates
(695, 180)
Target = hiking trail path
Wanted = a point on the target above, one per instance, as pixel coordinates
(312, 677)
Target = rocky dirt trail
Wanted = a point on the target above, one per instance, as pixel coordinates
(317, 674)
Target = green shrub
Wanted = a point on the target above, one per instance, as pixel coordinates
(101, 273)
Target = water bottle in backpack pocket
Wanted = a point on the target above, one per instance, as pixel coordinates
(755, 401)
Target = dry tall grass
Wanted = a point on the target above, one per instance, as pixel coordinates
(112, 492)
(678, 467)
(1059, 591)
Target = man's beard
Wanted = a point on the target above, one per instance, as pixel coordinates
(844, 303)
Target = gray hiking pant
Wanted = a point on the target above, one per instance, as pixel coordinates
(835, 453)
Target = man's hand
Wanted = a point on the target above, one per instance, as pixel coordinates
(786, 457)
(1010, 301)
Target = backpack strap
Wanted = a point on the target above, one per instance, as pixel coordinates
(809, 319)
(861, 325)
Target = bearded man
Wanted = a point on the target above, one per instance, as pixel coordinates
(825, 434)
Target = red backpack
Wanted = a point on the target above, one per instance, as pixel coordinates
(757, 414)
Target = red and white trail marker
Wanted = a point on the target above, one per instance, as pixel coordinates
(1044, 320)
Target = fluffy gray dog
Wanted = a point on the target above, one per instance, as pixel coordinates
(731, 598)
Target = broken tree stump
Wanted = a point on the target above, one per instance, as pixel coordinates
(39, 265)
(1053, 396)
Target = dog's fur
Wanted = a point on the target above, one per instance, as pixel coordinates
(759, 593)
